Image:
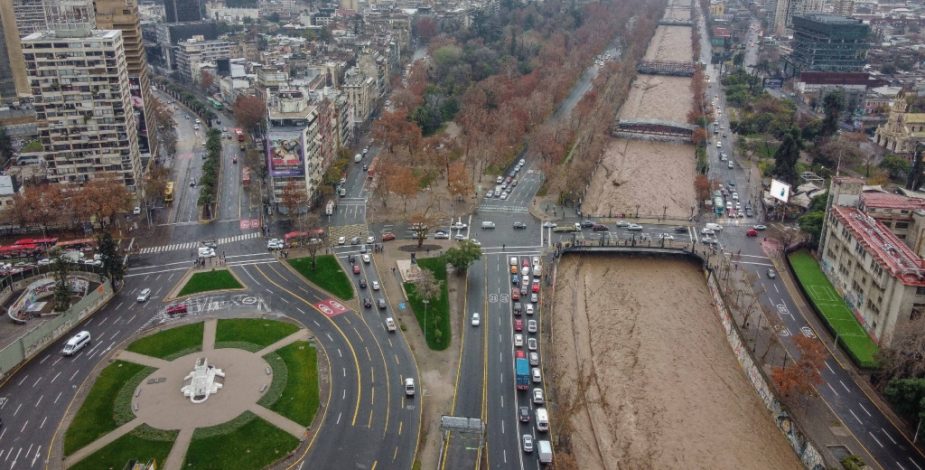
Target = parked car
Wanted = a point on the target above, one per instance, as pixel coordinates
(518, 340)
(441, 235)
(634, 227)
(518, 325)
(531, 344)
(599, 228)
(386, 236)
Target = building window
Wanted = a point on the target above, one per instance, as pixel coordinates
(902, 225)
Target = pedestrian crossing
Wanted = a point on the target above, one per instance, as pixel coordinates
(499, 208)
(191, 245)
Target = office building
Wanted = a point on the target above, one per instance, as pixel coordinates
(843, 7)
(829, 43)
(13, 82)
(177, 11)
(197, 51)
(83, 103)
(122, 15)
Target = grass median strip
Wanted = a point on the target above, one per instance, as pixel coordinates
(217, 279)
(96, 416)
(436, 313)
(835, 312)
(255, 331)
(299, 399)
(327, 275)
(169, 344)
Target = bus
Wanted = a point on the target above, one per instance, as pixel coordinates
(246, 177)
(215, 103)
(718, 206)
(168, 193)
(239, 134)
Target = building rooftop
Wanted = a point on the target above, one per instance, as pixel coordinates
(887, 250)
(831, 19)
(877, 200)
(835, 78)
(95, 33)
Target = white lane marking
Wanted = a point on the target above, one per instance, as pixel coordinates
(57, 397)
(502, 426)
(37, 402)
(338, 417)
(74, 374)
(37, 453)
(910, 459)
(17, 409)
(829, 367)
(888, 436)
(43, 422)
(832, 389)
(865, 410)
(23, 429)
(844, 386)
(855, 416)
(36, 382)
(44, 358)
(22, 380)
(875, 438)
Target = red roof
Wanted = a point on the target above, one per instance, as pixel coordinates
(82, 241)
(878, 200)
(35, 241)
(888, 250)
(17, 248)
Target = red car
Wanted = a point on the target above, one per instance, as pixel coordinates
(515, 294)
(175, 309)
(386, 236)
(518, 325)
(519, 354)
(356, 269)
(536, 287)
(525, 263)
(751, 233)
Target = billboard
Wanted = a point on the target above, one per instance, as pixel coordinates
(285, 153)
(138, 107)
(780, 191)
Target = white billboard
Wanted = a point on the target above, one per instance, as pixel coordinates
(780, 191)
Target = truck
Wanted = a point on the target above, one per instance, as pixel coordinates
(522, 367)
(329, 208)
(544, 449)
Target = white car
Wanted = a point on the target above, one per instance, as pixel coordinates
(719, 145)
(666, 236)
(518, 340)
(475, 242)
(530, 308)
(475, 319)
(458, 226)
(735, 196)
(538, 396)
(490, 194)
(144, 295)
(375, 285)
(136, 210)
(459, 236)
(44, 262)
(206, 252)
(370, 239)
(504, 195)
(531, 344)
(531, 326)
(634, 227)
(707, 231)
(341, 240)
(366, 259)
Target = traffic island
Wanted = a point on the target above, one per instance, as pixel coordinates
(208, 281)
(326, 274)
(247, 384)
(432, 314)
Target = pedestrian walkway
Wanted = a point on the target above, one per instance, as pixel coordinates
(191, 245)
(499, 208)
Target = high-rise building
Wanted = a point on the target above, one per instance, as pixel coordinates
(83, 103)
(30, 16)
(786, 10)
(829, 43)
(843, 7)
(13, 81)
(123, 16)
(196, 51)
(177, 11)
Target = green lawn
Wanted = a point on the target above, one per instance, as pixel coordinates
(835, 312)
(218, 279)
(132, 446)
(96, 416)
(254, 445)
(328, 275)
(437, 330)
(172, 343)
(256, 332)
(299, 399)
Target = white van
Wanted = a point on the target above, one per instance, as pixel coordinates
(513, 261)
(488, 224)
(542, 419)
(537, 270)
(76, 343)
(357, 158)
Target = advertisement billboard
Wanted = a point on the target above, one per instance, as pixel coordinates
(138, 107)
(780, 191)
(285, 153)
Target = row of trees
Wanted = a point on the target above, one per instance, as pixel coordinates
(201, 109)
(94, 203)
(208, 182)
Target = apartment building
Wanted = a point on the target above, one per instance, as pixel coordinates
(13, 82)
(875, 272)
(362, 92)
(82, 97)
(197, 51)
(122, 15)
(293, 146)
(30, 16)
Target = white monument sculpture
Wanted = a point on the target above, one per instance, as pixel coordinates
(202, 381)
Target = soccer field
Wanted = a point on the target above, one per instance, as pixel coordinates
(834, 310)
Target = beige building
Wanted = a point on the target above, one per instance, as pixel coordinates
(13, 82)
(881, 279)
(362, 92)
(83, 105)
(903, 127)
(123, 16)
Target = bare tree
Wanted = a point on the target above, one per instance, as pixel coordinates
(426, 285)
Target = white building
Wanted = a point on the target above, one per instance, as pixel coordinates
(83, 105)
(196, 51)
(293, 146)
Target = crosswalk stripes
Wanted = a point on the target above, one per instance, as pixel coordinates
(191, 245)
(513, 209)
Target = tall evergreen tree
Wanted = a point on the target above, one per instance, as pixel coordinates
(112, 260)
(786, 157)
(833, 104)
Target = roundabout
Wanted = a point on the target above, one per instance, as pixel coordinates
(220, 393)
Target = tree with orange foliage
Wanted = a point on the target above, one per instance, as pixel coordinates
(800, 377)
(699, 136)
(403, 183)
(702, 187)
(206, 79)
(102, 198)
(249, 112)
(459, 181)
(394, 129)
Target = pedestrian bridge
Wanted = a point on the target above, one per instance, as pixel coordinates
(653, 129)
(673, 69)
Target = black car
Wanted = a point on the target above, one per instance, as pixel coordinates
(523, 414)
(351, 259)
(520, 225)
(598, 227)
(680, 229)
(367, 303)
(587, 224)
(362, 283)
(731, 183)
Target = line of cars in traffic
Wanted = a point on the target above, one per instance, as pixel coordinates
(526, 276)
(505, 184)
(368, 301)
